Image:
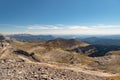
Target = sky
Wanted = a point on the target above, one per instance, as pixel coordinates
(89, 17)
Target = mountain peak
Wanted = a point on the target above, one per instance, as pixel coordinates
(65, 43)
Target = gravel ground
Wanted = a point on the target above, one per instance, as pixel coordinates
(16, 69)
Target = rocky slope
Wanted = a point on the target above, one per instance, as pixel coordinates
(13, 69)
(32, 61)
(65, 44)
(71, 45)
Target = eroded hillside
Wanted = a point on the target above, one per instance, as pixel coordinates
(54, 60)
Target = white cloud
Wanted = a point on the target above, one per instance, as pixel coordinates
(79, 27)
(106, 27)
(42, 27)
(62, 29)
(66, 29)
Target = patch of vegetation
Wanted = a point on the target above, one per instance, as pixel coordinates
(73, 58)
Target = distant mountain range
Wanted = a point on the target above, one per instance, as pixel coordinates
(27, 37)
(91, 39)
(99, 45)
(102, 41)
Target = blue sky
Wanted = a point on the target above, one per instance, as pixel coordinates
(60, 16)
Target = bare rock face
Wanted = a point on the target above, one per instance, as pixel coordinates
(4, 41)
(19, 70)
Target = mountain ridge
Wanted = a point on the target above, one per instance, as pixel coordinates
(62, 59)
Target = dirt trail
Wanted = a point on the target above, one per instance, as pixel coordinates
(91, 72)
(80, 69)
(26, 59)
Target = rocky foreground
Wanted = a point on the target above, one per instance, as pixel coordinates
(17, 69)
(30, 61)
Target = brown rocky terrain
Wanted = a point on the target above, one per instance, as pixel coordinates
(70, 45)
(110, 62)
(65, 44)
(18, 70)
(31, 60)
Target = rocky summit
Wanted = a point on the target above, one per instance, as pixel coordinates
(55, 60)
